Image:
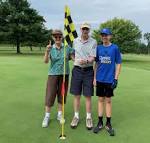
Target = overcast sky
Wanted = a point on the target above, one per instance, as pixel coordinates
(94, 11)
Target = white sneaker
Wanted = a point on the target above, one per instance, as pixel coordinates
(45, 122)
(60, 119)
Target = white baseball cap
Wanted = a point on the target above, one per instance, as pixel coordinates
(85, 25)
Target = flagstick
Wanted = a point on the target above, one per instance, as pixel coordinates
(72, 29)
(62, 136)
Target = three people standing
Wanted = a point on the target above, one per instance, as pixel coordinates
(104, 76)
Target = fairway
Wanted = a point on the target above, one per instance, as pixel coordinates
(22, 90)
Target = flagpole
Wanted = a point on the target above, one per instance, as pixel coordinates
(62, 136)
(69, 35)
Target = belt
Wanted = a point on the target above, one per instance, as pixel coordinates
(84, 68)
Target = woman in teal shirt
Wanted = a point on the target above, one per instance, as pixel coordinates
(55, 54)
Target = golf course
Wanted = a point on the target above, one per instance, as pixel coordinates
(22, 92)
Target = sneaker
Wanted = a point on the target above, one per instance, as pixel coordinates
(74, 122)
(98, 128)
(45, 122)
(110, 130)
(89, 123)
(60, 119)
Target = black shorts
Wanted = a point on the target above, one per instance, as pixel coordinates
(104, 89)
(82, 81)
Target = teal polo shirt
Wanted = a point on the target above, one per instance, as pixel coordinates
(57, 60)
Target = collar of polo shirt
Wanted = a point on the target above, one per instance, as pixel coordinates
(84, 41)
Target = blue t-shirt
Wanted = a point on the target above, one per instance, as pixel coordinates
(106, 59)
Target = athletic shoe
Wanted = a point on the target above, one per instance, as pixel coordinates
(98, 128)
(89, 123)
(74, 122)
(60, 119)
(45, 122)
(110, 130)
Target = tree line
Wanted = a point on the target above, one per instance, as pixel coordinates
(22, 25)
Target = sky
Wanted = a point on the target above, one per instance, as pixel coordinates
(94, 11)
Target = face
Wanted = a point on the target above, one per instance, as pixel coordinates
(105, 38)
(85, 31)
(57, 38)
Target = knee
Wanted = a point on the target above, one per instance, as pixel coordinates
(88, 98)
(101, 100)
(108, 100)
(77, 97)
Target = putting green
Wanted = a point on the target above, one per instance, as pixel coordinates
(22, 91)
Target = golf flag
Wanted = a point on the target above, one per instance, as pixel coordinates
(69, 28)
(69, 35)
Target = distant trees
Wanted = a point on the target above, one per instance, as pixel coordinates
(147, 38)
(21, 24)
(125, 33)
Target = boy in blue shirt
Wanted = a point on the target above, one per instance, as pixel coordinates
(107, 70)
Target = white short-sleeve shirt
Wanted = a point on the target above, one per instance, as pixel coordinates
(84, 50)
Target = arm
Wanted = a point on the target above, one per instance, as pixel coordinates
(91, 58)
(115, 81)
(118, 70)
(95, 69)
(46, 56)
(72, 57)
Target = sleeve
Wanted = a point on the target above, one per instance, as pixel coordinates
(118, 58)
(97, 57)
(93, 51)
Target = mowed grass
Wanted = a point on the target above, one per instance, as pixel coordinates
(22, 91)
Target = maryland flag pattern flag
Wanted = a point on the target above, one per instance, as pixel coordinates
(69, 28)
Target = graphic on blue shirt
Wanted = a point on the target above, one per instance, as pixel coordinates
(107, 58)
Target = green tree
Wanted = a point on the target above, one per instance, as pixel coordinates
(125, 33)
(147, 38)
(18, 21)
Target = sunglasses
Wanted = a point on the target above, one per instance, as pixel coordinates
(57, 37)
(85, 28)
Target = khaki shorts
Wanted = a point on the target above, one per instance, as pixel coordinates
(54, 88)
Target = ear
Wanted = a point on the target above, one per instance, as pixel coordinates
(111, 36)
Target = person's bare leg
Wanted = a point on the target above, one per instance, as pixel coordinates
(46, 117)
(100, 114)
(59, 107)
(76, 105)
(88, 106)
(89, 122)
(47, 109)
(108, 107)
(101, 106)
(108, 110)
(59, 114)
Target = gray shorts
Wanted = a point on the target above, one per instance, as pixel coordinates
(82, 81)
